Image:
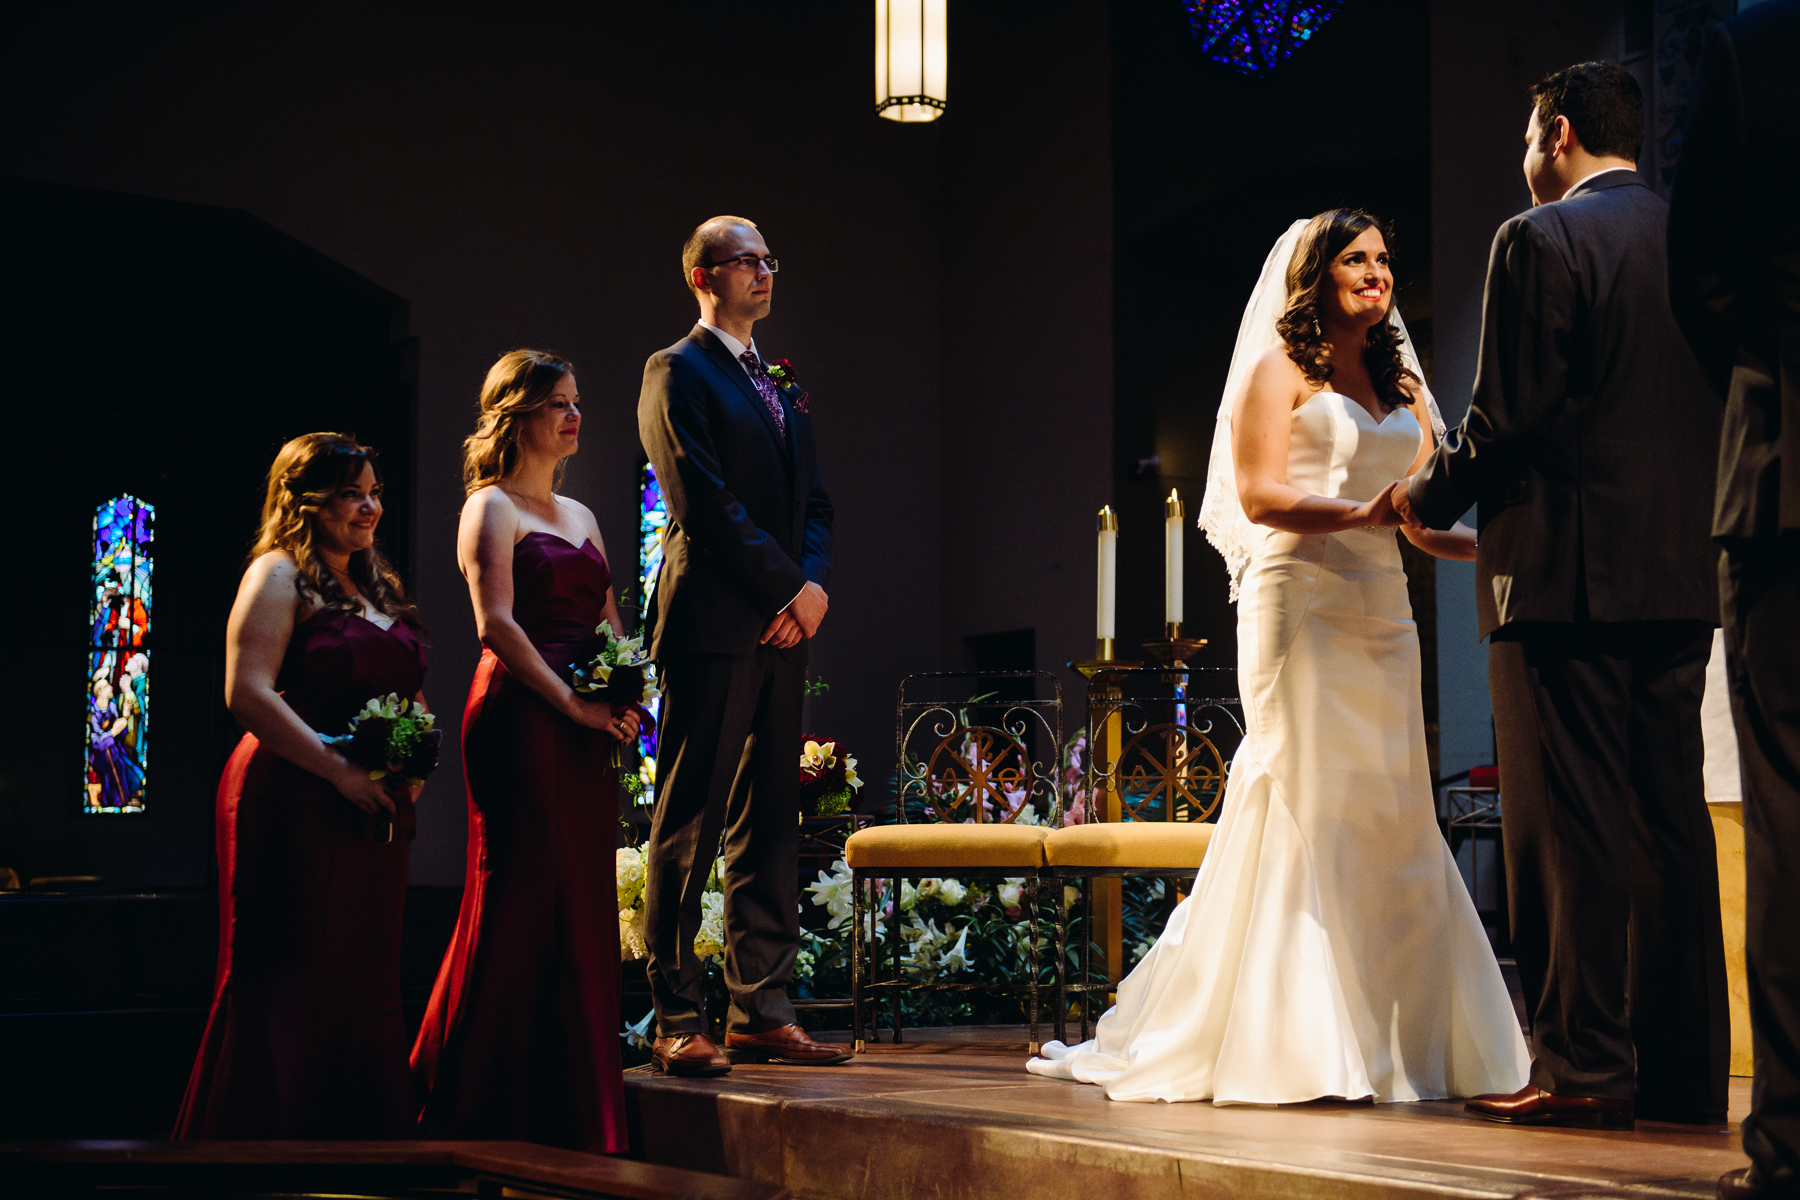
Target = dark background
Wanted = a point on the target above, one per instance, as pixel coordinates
(998, 316)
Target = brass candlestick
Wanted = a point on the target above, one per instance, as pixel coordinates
(1173, 650)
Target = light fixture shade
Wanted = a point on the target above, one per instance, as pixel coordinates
(911, 69)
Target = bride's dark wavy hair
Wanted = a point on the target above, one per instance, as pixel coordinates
(1301, 325)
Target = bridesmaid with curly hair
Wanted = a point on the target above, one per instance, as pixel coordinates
(521, 1038)
(305, 1038)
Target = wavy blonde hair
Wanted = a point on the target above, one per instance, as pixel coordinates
(517, 385)
(307, 472)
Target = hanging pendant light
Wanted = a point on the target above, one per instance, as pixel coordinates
(910, 59)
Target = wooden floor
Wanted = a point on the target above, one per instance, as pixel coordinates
(956, 1117)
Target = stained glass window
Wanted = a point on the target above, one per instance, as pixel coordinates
(1256, 36)
(652, 519)
(118, 667)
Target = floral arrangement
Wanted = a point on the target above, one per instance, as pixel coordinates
(391, 736)
(828, 780)
(629, 871)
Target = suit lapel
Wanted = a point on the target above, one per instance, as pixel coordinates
(734, 370)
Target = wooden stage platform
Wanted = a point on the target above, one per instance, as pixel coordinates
(954, 1116)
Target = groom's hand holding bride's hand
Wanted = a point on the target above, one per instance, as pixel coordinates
(1400, 498)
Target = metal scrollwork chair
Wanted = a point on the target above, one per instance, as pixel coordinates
(977, 795)
(1153, 784)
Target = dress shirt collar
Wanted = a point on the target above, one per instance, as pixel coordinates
(730, 343)
(1587, 179)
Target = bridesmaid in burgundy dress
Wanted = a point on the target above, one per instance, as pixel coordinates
(521, 1038)
(305, 1038)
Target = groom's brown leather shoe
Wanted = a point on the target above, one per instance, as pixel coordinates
(688, 1054)
(1534, 1106)
(788, 1044)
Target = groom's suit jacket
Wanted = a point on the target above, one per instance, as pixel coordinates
(749, 521)
(1591, 439)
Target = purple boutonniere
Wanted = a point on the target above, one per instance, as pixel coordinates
(782, 372)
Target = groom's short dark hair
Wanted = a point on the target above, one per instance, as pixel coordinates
(697, 251)
(1602, 103)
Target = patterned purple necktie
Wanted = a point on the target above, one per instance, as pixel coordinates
(765, 387)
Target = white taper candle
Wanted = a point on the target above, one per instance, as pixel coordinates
(1174, 517)
(1106, 618)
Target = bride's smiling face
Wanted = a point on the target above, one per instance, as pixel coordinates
(1359, 284)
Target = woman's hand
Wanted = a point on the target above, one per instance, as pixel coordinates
(1380, 511)
(601, 715)
(370, 795)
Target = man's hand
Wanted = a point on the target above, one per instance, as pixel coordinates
(783, 632)
(1401, 497)
(808, 608)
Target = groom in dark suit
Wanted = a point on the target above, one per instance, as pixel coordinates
(1734, 281)
(1589, 444)
(746, 555)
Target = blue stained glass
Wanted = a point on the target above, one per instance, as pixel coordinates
(1256, 36)
(653, 518)
(118, 665)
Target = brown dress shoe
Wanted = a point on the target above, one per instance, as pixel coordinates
(1534, 1106)
(688, 1054)
(788, 1045)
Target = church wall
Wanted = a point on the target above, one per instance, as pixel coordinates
(525, 175)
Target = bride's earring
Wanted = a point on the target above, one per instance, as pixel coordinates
(1317, 332)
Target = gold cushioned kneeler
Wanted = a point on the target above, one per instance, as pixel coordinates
(1149, 845)
(946, 846)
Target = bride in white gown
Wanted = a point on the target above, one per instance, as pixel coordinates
(1329, 947)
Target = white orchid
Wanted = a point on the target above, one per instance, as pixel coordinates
(850, 771)
(389, 706)
(818, 756)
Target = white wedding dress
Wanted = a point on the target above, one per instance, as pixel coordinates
(1329, 947)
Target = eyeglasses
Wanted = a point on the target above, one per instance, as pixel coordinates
(752, 261)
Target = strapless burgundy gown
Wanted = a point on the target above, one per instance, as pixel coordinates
(521, 1038)
(305, 1038)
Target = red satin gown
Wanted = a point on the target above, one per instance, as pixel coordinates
(521, 1038)
(306, 1038)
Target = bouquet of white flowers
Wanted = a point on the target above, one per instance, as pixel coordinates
(620, 674)
(393, 739)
